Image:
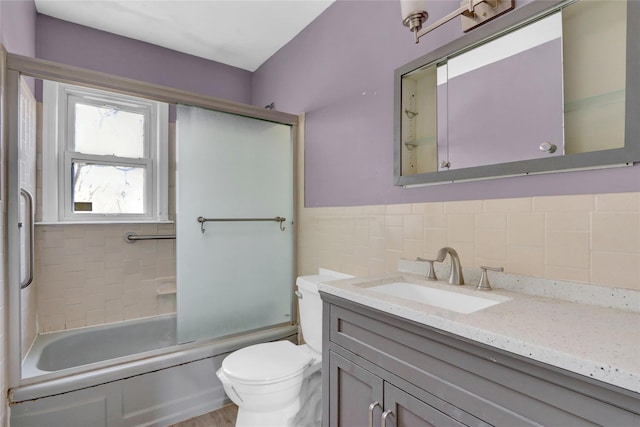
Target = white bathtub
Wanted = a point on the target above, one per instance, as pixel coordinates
(124, 374)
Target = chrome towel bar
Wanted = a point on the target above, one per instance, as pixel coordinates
(131, 237)
(202, 220)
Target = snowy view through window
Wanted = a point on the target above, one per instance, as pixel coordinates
(108, 185)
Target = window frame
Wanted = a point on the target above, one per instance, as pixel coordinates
(59, 101)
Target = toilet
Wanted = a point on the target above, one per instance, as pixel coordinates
(279, 383)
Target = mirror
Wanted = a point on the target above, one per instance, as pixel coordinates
(523, 96)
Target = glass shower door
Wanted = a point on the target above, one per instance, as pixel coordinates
(232, 276)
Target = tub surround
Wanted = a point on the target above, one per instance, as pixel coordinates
(590, 340)
(88, 275)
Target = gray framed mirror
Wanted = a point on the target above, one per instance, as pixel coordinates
(551, 86)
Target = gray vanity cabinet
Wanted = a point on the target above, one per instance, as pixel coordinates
(404, 410)
(355, 390)
(361, 398)
(426, 377)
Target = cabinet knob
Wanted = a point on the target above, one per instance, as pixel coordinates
(548, 147)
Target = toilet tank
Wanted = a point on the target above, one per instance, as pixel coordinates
(310, 305)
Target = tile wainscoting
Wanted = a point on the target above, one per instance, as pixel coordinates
(584, 238)
(87, 274)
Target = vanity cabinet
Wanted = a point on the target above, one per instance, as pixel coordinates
(378, 364)
(362, 398)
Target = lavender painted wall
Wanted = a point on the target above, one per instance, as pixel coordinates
(81, 46)
(339, 71)
(18, 28)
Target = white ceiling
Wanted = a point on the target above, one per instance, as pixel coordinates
(241, 33)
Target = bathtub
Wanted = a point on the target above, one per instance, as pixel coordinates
(68, 349)
(124, 374)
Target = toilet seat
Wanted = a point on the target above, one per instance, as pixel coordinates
(266, 363)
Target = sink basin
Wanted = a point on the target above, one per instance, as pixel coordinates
(452, 301)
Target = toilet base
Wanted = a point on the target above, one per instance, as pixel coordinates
(294, 415)
(310, 414)
(283, 417)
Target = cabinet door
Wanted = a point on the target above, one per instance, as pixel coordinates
(352, 390)
(404, 410)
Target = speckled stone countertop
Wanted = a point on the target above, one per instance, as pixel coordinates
(599, 342)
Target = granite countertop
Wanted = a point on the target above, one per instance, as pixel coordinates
(599, 342)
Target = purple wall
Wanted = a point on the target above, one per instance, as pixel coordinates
(18, 28)
(339, 71)
(81, 46)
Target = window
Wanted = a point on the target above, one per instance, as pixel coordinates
(104, 156)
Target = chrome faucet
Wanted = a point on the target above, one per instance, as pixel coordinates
(455, 277)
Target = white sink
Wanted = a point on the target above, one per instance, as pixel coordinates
(452, 301)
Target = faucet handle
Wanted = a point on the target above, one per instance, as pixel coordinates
(484, 284)
(431, 271)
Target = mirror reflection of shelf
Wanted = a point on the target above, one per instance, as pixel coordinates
(600, 100)
(420, 141)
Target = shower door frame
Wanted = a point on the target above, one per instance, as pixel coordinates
(17, 66)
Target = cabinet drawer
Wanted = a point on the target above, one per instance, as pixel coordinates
(493, 385)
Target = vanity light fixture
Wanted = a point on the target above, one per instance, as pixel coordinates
(472, 12)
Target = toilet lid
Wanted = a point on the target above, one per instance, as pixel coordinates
(266, 363)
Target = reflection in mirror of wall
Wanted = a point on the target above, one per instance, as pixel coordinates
(594, 38)
(503, 98)
(543, 96)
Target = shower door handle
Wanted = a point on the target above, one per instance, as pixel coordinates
(30, 215)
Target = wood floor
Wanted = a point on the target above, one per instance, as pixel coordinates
(223, 417)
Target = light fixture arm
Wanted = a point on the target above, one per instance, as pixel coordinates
(490, 10)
